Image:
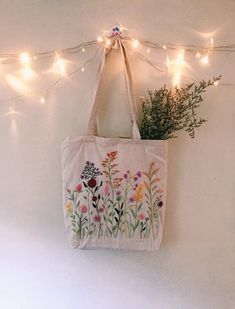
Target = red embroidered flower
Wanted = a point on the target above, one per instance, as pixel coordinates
(112, 155)
(91, 183)
(94, 198)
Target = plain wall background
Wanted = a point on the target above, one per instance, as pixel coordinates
(195, 266)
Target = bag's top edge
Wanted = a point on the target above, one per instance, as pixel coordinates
(111, 140)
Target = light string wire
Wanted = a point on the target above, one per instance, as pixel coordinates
(8, 58)
(46, 91)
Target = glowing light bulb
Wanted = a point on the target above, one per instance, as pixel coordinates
(42, 100)
(168, 63)
(83, 69)
(198, 55)
(148, 51)
(108, 42)
(27, 73)
(135, 43)
(212, 41)
(216, 83)
(180, 57)
(59, 66)
(83, 50)
(164, 47)
(11, 110)
(205, 60)
(35, 57)
(25, 58)
(100, 39)
(16, 83)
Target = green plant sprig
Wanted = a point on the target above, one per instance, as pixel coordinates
(170, 110)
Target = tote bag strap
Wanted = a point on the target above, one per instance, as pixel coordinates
(92, 124)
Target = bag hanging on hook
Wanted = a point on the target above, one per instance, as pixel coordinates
(114, 188)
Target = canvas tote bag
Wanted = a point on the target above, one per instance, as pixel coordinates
(114, 188)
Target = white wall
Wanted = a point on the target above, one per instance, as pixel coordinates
(195, 266)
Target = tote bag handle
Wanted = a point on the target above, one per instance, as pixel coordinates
(92, 124)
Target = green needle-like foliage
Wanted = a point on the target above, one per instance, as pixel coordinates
(170, 110)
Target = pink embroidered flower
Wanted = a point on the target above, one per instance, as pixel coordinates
(141, 216)
(131, 200)
(79, 188)
(83, 209)
(106, 190)
(97, 218)
(101, 209)
(68, 191)
(135, 178)
(139, 174)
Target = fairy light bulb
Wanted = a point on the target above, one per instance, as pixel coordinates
(164, 47)
(100, 39)
(83, 69)
(42, 100)
(148, 51)
(25, 58)
(216, 83)
(108, 42)
(27, 73)
(11, 110)
(205, 60)
(198, 55)
(168, 63)
(59, 66)
(180, 57)
(83, 50)
(135, 43)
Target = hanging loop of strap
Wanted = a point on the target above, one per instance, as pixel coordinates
(92, 124)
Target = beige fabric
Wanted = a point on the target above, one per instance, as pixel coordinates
(114, 188)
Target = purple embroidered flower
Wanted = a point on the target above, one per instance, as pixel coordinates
(128, 172)
(160, 204)
(131, 200)
(135, 178)
(139, 174)
(90, 171)
(125, 176)
(118, 192)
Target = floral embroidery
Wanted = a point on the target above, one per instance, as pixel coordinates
(109, 203)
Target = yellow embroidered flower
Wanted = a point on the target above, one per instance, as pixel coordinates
(139, 193)
(69, 206)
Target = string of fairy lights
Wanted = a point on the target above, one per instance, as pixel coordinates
(138, 47)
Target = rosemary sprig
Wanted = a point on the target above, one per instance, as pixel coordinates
(170, 110)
